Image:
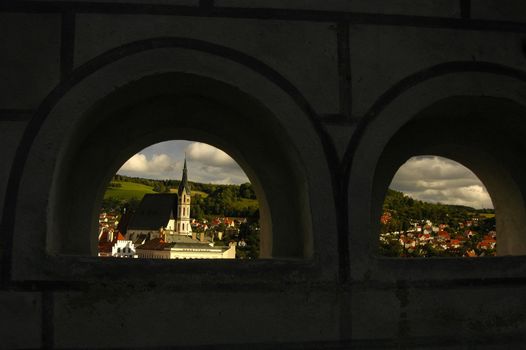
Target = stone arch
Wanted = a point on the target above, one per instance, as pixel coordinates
(179, 115)
(446, 97)
(187, 76)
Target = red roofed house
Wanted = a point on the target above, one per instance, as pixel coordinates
(115, 245)
(455, 243)
(443, 235)
(487, 244)
(385, 218)
(229, 222)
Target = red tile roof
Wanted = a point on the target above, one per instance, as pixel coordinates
(154, 244)
(120, 237)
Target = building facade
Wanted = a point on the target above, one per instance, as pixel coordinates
(320, 102)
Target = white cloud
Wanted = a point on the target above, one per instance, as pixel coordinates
(437, 179)
(209, 155)
(158, 165)
(206, 163)
(136, 163)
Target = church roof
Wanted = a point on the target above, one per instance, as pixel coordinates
(184, 181)
(154, 244)
(154, 212)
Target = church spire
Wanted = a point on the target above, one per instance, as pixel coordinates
(184, 181)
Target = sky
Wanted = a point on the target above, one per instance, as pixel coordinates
(205, 163)
(427, 178)
(437, 179)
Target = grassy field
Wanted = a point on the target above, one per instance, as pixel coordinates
(128, 190)
(202, 194)
(131, 189)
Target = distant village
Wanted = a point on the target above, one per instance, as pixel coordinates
(162, 228)
(468, 238)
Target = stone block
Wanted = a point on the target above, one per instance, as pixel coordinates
(20, 316)
(156, 318)
(30, 59)
(438, 8)
(375, 314)
(281, 45)
(466, 313)
(381, 56)
(510, 10)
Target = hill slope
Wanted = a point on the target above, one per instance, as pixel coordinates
(125, 190)
(405, 209)
(207, 199)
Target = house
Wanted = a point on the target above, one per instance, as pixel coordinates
(385, 218)
(229, 222)
(487, 244)
(407, 242)
(469, 233)
(123, 249)
(424, 238)
(444, 236)
(455, 243)
(113, 244)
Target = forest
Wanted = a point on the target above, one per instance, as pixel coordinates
(404, 209)
(208, 200)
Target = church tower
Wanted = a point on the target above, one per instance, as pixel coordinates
(183, 210)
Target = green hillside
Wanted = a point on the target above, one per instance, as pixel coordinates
(207, 199)
(405, 209)
(243, 203)
(127, 190)
(194, 193)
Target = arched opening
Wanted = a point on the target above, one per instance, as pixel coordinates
(180, 199)
(479, 133)
(436, 207)
(181, 106)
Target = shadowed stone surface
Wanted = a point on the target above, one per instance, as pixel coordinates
(320, 102)
(21, 314)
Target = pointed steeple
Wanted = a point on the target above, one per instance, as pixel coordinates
(184, 181)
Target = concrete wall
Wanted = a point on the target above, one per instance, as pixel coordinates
(329, 84)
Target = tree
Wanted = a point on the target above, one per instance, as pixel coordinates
(246, 191)
(159, 187)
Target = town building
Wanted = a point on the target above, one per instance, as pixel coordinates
(113, 244)
(161, 228)
(183, 247)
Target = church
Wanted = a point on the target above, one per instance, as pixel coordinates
(161, 228)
